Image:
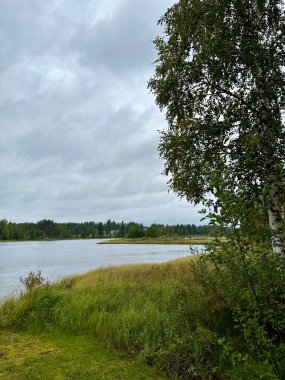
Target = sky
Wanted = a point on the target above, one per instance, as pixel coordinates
(78, 126)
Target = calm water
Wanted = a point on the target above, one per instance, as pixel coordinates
(60, 258)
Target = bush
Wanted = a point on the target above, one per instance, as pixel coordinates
(250, 281)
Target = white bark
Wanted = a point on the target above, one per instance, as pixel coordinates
(274, 211)
(275, 220)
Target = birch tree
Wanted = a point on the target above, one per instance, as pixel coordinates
(220, 78)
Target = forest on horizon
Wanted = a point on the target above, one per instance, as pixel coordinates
(48, 229)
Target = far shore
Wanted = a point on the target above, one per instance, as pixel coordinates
(202, 240)
(162, 240)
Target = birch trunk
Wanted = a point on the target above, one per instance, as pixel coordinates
(274, 211)
(275, 219)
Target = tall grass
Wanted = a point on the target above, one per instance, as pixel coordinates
(156, 311)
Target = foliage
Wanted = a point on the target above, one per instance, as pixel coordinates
(48, 229)
(220, 76)
(250, 279)
(33, 280)
(136, 232)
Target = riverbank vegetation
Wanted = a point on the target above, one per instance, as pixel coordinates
(202, 317)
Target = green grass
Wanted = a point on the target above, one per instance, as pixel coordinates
(124, 322)
(52, 356)
(152, 311)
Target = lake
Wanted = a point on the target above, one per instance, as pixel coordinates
(59, 258)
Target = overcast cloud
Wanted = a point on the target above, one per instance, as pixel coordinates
(78, 125)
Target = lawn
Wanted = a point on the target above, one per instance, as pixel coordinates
(53, 356)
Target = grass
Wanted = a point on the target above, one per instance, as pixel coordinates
(61, 356)
(150, 311)
(125, 322)
(161, 240)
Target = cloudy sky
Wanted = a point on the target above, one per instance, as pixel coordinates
(78, 127)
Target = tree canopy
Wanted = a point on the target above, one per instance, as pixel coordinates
(220, 77)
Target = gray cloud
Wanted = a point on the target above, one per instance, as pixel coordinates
(78, 126)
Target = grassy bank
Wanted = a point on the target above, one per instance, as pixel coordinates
(156, 313)
(161, 240)
(142, 310)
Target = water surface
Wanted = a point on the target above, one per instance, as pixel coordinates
(64, 257)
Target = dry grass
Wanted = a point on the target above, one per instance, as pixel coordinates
(200, 240)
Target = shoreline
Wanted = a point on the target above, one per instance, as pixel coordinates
(163, 241)
(144, 240)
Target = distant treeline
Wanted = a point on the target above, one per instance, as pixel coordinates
(48, 229)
